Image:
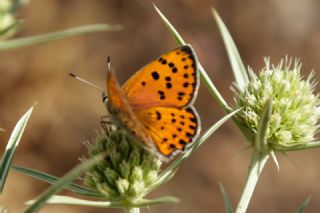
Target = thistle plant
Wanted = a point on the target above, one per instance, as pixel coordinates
(9, 25)
(295, 108)
(119, 173)
(127, 171)
(280, 114)
(3, 210)
(279, 110)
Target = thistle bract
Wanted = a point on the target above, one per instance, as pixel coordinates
(8, 24)
(295, 107)
(128, 169)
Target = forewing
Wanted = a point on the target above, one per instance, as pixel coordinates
(121, 112)
(171, 80)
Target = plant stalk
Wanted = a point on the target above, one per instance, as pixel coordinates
(132, 210)
(37, 39)
(258, 161)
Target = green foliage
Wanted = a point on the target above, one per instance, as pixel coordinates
(295, 108)
(127, 170)
(8, 24)
(226, 199)
(12, 145)
(304, 205)
(59, 185)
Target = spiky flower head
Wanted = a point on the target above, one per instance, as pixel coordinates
(8, 24)
(128, 169)
(295, 108)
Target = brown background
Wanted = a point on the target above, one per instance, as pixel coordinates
(68, 112)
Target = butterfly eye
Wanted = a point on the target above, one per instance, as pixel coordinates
(104, 97)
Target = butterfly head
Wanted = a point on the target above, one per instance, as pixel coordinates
(104, 98)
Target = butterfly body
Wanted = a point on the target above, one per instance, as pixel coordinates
(155, 104)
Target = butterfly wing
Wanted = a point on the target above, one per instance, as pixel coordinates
(155, 103)
(172, 80)
(171, 129)
(121, 112)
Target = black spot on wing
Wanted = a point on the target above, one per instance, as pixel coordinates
(158, 115)
(182, 142)
(189, 135)
(155, 75)
(194, 120)
(161, 94)
(172, 146)
(189, 110)
(192, 127)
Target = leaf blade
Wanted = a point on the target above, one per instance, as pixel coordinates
(261, 136)
(59, 199)
(226, 199)
(11, 147)
(172, 168)
(37, 39)
(69, 177)
(203, 74)
(304, 205)
(238, 68)
(53, 179)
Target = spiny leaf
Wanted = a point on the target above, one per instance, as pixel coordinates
(238, 68)
(65, 180)
(22, 42)
(226, 199)
(12, 146)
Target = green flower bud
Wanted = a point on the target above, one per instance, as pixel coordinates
(295, 107)
(5, 5)
(3, 209)
(127, 171)
(122, 186)
(8, 24)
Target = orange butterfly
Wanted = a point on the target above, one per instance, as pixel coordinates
(155, 104)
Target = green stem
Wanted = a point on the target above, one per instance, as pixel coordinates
(37, 39)
(132, 210)
(258, 161)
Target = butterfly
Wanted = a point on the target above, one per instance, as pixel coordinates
(156, 104)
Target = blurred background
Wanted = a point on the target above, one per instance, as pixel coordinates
(68, 112)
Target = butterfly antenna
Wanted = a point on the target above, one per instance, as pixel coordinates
(86, 82)
(108, 64)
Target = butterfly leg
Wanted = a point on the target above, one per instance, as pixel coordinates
(106, 123)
